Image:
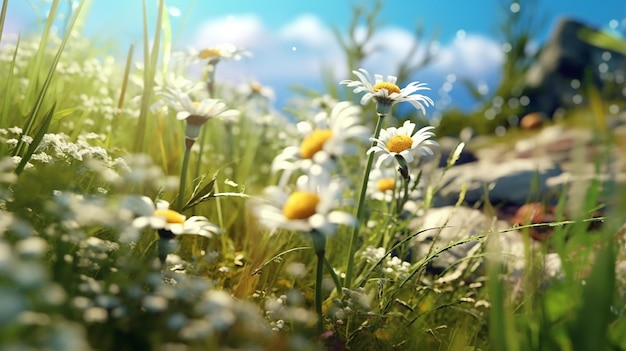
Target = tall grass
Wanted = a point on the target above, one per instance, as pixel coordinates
(95, 147)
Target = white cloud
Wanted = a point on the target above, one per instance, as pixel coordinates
(295, 53)
(307, 29)
(389, 47)
(473, 57)
(242, 30)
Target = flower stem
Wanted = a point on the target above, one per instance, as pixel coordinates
(202, 140)
(183, 176)
(319, 245)
(318, 291)
(361, 205)
(334, 276)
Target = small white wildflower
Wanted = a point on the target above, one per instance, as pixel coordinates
(154, 303)
(373, 254)
(15, 130)
(95, 315)
(11, 142)
(482, 303)
(42, 157)
(33, 246)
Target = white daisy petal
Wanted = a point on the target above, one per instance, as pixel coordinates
(386, 93)
(309, 207)
(324, 139)
(393, 141)
(162, 218)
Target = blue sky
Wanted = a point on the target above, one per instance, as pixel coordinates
(291, 40)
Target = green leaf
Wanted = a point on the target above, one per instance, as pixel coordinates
(3, 15)
(618, 337)
(45, 124)
(602, 40)
(9, 84)
(590, 328)
(204, 194)
(30, 121)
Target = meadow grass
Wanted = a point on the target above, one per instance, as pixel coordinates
(87, 144)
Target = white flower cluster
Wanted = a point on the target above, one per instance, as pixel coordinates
(392, 267)
(287, 308)
(56, 147)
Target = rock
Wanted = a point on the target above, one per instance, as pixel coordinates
(513, 182)
(535, 213)
(450, 224)
(555, 79)
(533, 120)
(556, 142)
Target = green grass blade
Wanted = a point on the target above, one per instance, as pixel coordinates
(30, 121)
(589, 329)
(150, 62)
(45, 124)
(602, 40)
(120, 100)
(147, 86)
(167, 40)
(37, 64)
(501, 329)
(6, 103)
(597, 108)
(3, 15)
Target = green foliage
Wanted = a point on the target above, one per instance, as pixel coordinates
(516, 30)
(84, 144)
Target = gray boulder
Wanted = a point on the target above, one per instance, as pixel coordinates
(450, 224)
(564, 58)
(512, 182)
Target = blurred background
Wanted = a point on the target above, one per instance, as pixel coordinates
(465, 51)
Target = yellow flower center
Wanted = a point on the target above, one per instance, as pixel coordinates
(209, 53)
(195, 104)
(256, 87)
(385, 184)
(300, 205)
(390, 87)
(314, 142)
(399, 143)
(171, 216)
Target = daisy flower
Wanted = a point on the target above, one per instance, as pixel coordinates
(402, 142)
(168, 80)
(217, 53)
(254, 88)
(196, 113)
(310, 208)
(386, 93)
(168, 222)
(326, 137)
(381, 184)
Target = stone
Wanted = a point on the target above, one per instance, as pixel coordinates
(564, 65)
(558, 143)
(533, 120)
(535, 213)
(513, 182)
(447, 225)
